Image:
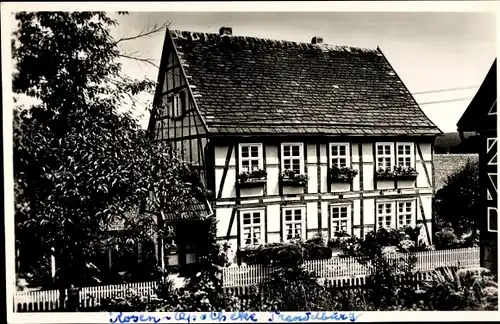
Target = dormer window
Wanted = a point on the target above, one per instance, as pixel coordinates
(176, 104)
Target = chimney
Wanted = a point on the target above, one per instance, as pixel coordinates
(317, 40)
(228, 31)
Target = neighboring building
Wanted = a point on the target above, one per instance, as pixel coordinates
(179, 250)
(454, 143)
(481, 117)
(290, 136)
(447, 164)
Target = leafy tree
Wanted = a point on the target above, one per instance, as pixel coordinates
(458, 203)
(79, 163)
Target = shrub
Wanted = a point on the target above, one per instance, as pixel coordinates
(461, 289)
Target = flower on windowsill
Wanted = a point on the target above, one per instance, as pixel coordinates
(254, 174)
(404, 171)
(342, 174)
(396, 172)
(292, 177)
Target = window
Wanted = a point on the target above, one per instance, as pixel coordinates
(404, 154)
(176, 104)
(492, 219)
(405, 213)
(252, 227)
(340, 218)
(384, 155)
(251, 157)
(294, 223)
(339, 155)
(385, 214)
(292, 157)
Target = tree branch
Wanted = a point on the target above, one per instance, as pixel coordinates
(140, 59)
(146, 33)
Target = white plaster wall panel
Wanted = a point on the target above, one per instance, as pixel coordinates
(292, 190)
(324, 179)
(312, 184)
(421, 178)
(323, 157)
(272, 154)
(220, 155)
(325, 211)
(312, 215)
(272, 180)
(223, 216)
(368, 177)
(406, 184)
(426, 151)
(356, 208)
(385, 184)
(356, 179)
(367, 151)
(229, 189)
(252, 192)
(273, 218)
(273, 237)
(340, 187)
(355, 152)
(369, 211)
(427, 204)
(311, 153)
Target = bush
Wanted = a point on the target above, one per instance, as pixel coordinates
(447, 239)
(461, 289)
(293, 253)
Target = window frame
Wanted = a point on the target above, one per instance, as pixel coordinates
(348, 217)
(300, 157)
(251, 211)
(413, 212)
(260, 157)
(412, 153)
(391, 154)
(392, 214)
(293, 221)
(488, 224)
(347, 155)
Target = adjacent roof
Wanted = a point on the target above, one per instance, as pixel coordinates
(262, 86)
(483, 103)
(196, 210)
(447, 164)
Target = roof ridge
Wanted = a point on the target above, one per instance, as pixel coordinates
(195, 35)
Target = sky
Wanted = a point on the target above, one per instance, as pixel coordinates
(429, 50)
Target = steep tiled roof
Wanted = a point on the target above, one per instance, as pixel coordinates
(447, 164)
(262, 86)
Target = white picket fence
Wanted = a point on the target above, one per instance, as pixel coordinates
(242, 276)
(337, 267)
(48, 300)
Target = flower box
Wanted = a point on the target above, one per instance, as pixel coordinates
(396, 173)
(255, 178)
(290, 178)
(341, 175)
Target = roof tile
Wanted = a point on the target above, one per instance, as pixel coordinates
(303, 88)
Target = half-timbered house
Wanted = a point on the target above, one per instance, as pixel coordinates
(294, 138)
(481, 117)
